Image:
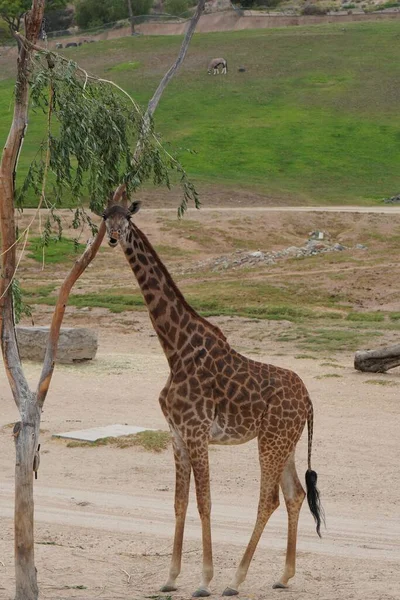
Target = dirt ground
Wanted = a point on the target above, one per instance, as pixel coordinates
(104, 515)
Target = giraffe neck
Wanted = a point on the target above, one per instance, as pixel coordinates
(173, 319)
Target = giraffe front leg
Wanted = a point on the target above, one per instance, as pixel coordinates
(199, 459)
(182, 485)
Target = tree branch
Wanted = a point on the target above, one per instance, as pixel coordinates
(180, 58)
(58, 315)
(153, 102)
(91, 251)
(18, 383)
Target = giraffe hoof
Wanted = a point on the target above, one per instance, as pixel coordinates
(201, 593)
(168, 588)
(230, 592)
(280, 586)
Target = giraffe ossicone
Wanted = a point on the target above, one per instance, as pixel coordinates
(215, 395)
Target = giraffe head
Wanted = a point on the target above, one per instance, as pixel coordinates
(117, 221)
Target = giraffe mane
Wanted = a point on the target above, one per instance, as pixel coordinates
(172, 283)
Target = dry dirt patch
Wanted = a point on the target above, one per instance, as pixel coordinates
(105, 515)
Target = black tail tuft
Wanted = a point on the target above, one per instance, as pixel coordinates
(313, 498)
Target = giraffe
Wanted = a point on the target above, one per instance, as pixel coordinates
(216, 395)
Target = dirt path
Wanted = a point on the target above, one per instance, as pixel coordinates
(137, 514)
(104, 516)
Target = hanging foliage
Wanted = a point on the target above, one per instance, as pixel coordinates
(93, 126)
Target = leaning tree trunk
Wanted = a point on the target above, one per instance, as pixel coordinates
(131, 17)
(30, 404)
(120, 192)
(377, 361)
(25, 431)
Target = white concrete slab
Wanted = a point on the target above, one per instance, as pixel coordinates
(98, 433)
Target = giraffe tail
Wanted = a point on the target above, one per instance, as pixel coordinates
(313, 496)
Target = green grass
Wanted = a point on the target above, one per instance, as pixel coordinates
(333, 340)
(125, 66)
(152, 441)
(57, 251)
(327, 375)
(381, 382)
(374, 317)
(314, 118)
(116, 303)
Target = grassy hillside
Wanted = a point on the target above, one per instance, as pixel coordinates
(314, 119)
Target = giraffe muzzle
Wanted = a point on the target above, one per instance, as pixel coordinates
(113, 238)
(113, 241)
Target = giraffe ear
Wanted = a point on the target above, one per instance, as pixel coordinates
(134, 208)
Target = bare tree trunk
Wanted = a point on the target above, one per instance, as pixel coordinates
(27, 430)
(119, 193)
(377, 361)
(58, 315)
(131, 17)
(26, 434)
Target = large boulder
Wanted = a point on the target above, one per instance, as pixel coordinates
(76, 344)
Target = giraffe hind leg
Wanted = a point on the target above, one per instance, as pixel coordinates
(272, 464)
(294, 495)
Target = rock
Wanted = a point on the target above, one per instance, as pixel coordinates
(392, 200)
(361, 247)
(317, 235)
(217, 6)
(76, 344)
(290, 250)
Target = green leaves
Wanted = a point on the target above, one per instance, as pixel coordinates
(93, 132)
(12, 10)
(20, 308)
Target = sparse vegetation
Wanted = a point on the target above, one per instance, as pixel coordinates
(332, 364)
(374, 317)
(327, 376)
(384, 382)
(152, 441)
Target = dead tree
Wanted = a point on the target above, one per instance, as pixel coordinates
(377, 361)
(30, 403)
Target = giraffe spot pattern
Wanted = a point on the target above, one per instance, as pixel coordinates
(213, 393)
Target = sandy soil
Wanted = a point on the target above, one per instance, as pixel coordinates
(104, 516)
